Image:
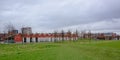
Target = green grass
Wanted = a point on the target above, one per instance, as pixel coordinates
(68, 50)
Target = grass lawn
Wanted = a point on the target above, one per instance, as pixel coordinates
(79, 50)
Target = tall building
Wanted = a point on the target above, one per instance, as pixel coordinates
(26, 30)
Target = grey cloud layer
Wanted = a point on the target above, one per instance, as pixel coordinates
(53, 14)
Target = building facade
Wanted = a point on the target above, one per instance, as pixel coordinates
(43, 37)
(26, 30)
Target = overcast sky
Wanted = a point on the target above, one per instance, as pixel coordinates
(49, 15)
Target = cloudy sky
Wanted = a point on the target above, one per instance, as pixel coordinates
(49, 15)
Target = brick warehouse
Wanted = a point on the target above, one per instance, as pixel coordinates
(43, 37)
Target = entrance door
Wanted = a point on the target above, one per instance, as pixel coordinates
(24, 40)
(31, 39)
(36, 39)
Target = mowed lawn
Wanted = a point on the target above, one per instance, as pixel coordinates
(78, 50)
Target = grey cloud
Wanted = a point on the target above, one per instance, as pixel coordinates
(53, 14)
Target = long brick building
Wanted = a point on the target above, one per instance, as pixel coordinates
(43, 37)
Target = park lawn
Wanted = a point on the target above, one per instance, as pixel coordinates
(68, 50)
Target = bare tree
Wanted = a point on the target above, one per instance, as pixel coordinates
(9, 27)
(62, 33)
(69, 34)
(89, 35)
(82, 34)
(55, 36)
(77, 34)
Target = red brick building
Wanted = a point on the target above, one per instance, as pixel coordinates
(43, 37)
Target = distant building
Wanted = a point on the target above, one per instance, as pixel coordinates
(26, 30)
(107, 36)
(13, 32)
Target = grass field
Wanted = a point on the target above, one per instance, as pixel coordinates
(79, 50)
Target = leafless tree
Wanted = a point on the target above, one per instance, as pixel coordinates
(77, 32)
(69, 34)
(62, 33)
(9, 27)
(55, 36)
(89, 35)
